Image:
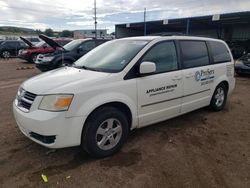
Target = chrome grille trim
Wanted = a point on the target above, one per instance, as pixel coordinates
(25, 99)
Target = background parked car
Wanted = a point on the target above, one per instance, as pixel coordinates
(242, 65)
(239, 48)
(67, 54)
(42, 47)
(11, 48)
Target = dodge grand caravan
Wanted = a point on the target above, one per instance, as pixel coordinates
(122, 85)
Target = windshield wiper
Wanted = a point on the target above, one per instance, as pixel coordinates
(89, 68)
(86, 68)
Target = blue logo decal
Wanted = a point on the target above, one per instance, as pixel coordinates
(198, 76)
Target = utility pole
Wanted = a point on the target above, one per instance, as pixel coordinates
(95, 18)
(145, 24)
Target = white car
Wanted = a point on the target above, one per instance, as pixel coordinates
(122, 85)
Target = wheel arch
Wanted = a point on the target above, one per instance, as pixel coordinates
(116, 104)
(225, 83)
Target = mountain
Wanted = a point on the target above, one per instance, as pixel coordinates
(15, 30)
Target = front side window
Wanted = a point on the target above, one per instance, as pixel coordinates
(219, 52)
(194, 53)
(72, 45)
(164, 56)
(112, 56)
(22, 44)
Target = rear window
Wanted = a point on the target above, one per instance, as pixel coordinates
(194, 53)
(219, 51)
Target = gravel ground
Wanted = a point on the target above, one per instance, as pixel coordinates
(199, 149)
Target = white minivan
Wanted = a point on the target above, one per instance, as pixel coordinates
(122, 85)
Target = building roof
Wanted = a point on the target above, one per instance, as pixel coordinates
(81, 30)
(199, 22)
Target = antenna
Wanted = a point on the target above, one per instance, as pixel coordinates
(145, 23)
(95, 18)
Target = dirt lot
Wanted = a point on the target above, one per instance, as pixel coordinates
(200, 149)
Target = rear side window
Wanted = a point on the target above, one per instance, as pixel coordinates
(87, 46)
(99, 42)
(194, 53)
(164, 56)
(220, 52)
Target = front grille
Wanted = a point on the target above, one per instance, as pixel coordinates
(247, 64)
(25, 99)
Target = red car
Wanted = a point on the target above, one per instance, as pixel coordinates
(42, 47)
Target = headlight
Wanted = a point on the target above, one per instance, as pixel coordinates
(24, 52)
(48, 58)
(56, 103)
(238, 62)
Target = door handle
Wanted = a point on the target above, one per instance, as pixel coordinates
(190, 75)
(176, 78)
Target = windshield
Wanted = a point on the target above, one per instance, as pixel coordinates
(40, 44)
(112, 56)
(71, 45)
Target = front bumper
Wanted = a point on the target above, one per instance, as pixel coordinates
(50, 129)
(43, 65)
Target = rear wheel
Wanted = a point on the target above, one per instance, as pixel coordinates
(6, 54)
(219, 98)
(105, 132)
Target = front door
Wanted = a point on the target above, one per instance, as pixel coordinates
(159, 94)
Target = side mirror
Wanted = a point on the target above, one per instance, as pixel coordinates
(147, 67)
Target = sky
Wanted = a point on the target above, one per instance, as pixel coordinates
(78, 14)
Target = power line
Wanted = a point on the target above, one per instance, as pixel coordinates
(95, 19)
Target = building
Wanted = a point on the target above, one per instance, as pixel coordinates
(89, 33)
(229, 27)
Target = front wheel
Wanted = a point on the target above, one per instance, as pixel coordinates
(105, 132)
(6, 54)
(219, 98)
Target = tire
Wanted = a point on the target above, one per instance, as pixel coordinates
(6, 54)
(104, 133)
(219, 98)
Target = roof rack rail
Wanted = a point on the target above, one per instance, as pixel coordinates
(168, 34)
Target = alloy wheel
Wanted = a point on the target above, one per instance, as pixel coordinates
(108, 134)
(219, 97)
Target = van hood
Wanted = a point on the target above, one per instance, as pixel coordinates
(27, 42)
(56, 81)
(50, 42)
